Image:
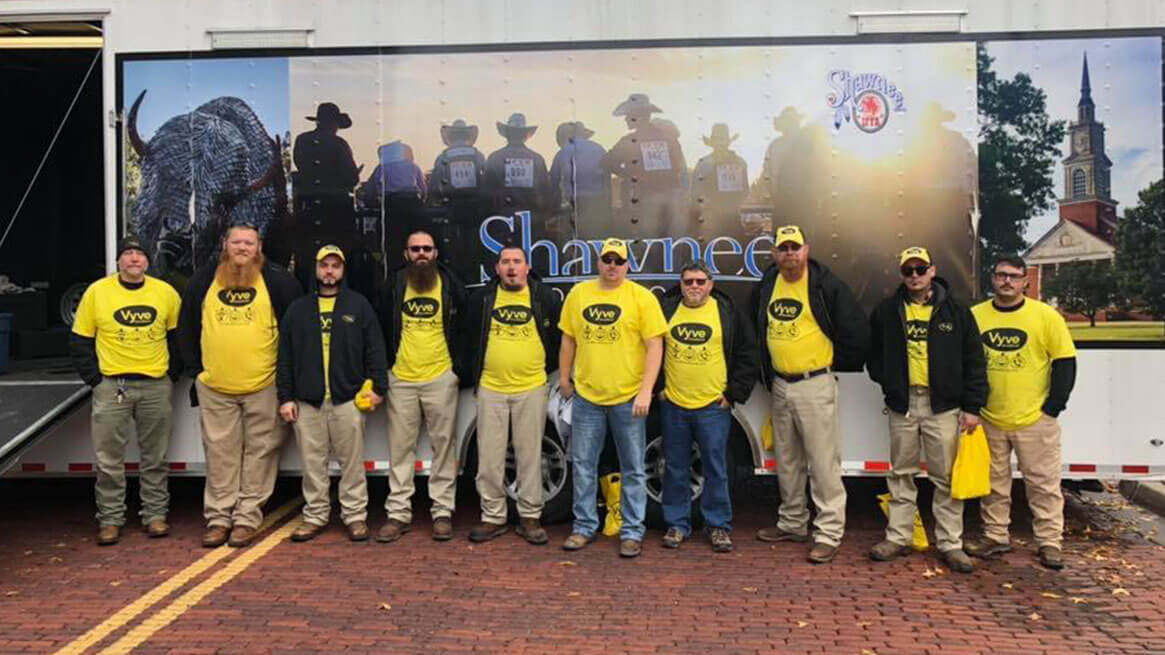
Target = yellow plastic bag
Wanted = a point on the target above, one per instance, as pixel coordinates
(918, 541)
(971, 475)
(766, 436)
(611, 486)
(363, 401)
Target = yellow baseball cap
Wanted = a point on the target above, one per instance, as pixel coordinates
(617, 246)
(788, 233)
(914, 252)
(329, 250)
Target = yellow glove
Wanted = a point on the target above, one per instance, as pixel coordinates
(363, 397)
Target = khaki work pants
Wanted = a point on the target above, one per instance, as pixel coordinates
(145, 408)
(332, 430)
(409, 403)
(499, 415)
(242, 435)
(806, 431)
(1037, 448)
(935, 436)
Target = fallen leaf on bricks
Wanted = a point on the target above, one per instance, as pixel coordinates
(751, 590)
(1007, 585)
(59, 544)
(867, 651)
(930, 573)
(1048, 594)
(1120, 591)
(1078, 600)
(1034, 616)
(384, 606)
(56, 560)
(162, 572)
(115, 583)
(1021, 542)
(27, 553)
(567, 563)
(574, 594)
(12, 593)
(802, 624)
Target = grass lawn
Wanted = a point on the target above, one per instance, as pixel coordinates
(1119, 331)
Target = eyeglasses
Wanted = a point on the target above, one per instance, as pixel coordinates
(1009, 276)
(919, 270)
(420, 248)
(789, 247)
(612, 260)
(695, 281)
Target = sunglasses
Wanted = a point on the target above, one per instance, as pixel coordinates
(919, 270)
(1014, 277)
(612, 260)
(421, 248)
(695, 281)
(789, 247)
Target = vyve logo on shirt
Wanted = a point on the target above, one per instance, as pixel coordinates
(420, 308)
(691, 334)
(135, 315)
(602, 314)
(917, 330)
(785, 309)
(1003, 346)
(237, 297)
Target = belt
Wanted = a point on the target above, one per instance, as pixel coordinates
(803, 376)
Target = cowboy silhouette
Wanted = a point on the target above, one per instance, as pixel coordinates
(580, 186)
(719, 186)
(651, 169)
(515, 175)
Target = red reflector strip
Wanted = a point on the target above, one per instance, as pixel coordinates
(1135, 468)
(877, 466)
(32, 468)
(132, 466)
(79, 467)
(369, 465)
(770, 463)
(420, 466)
(1082, 468)
(177, 466)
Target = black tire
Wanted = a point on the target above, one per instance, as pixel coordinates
(653, 454)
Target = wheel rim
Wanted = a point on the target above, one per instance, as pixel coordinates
(554, 469)
(70, 301)
(655, 465)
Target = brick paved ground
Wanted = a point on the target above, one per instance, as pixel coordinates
(330, 595)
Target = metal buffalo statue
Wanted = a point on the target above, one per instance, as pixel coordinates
(200, 173)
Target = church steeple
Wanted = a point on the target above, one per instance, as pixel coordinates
(1085, 110)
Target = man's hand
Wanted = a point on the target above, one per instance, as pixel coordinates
(375, 399)
(565, 388)
(968, 422)
(289, 411)
(641, 405)
(724, 402)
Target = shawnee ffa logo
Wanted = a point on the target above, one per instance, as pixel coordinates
(916, 330)
(865, 99)
(237, 297)
(600, 323)
(1004, 348)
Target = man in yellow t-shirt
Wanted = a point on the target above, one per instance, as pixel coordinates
(812, 327)
(1031, 368)
(123, 345)
(229, 332)
(612, 343)
(511, 341)
(709, 364)
(419, 310)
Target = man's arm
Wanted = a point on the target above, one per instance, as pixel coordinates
(1063, 379)
(565, 366)
(83, 352)
(651, 362)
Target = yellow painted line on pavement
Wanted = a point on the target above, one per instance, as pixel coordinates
(177, 581)
(171, 612)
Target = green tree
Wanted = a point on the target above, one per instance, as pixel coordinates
(1140, 251)
(1018, 148)
(1083, 287)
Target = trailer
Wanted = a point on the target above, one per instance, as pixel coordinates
(873, 126)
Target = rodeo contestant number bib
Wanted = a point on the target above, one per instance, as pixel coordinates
(694, 365)
(655, 156)
(462, 174)
(520, 172)
(729, 178)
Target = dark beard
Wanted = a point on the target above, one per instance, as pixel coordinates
(422, 278)
(511, 287)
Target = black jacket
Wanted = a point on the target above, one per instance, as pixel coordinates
(356, 351)
(544, 304)
(956, 367)
(834, 308)
(738, 340)
(388, 307)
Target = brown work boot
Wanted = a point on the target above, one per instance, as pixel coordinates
(358, 531)
(630, 548)
(305, 531)
(215, 536)
(822, 553)
(442, 528)
(531, 530)
(673, 537)
(887, 550)
(241, 536)
(985, 547)
(957, 560)
(775, 534)
(392, 530)
(107, 535)
(485, 531)
(157, 528)
(1051, 557)
(577, 541)
(721, 540)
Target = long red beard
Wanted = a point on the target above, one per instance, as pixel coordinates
(230, 276)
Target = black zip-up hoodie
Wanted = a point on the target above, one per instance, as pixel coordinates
(388, 308)
(956, 366)
(834, 308)
(356, 351)
(737, 339)
(544, 304)
(282, 287)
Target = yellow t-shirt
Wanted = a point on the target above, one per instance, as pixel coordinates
(326, 306)
(515, 361)
(795, 340)
(917, 326)
(240, 339)
(1020, 346)
(423, 354)
(129, 325)
(693, 362)
(609, 328)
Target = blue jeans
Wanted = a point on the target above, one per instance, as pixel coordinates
(589, 424)
(708, 426)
